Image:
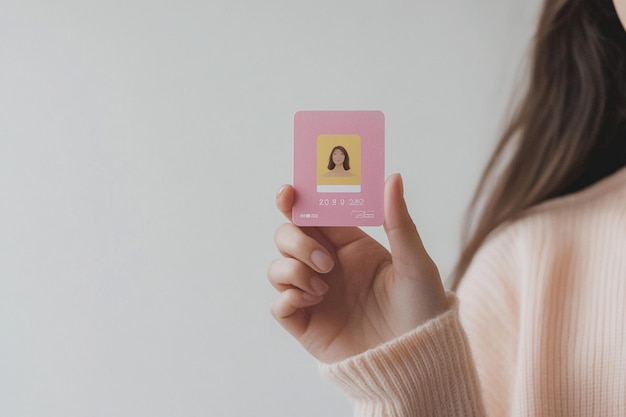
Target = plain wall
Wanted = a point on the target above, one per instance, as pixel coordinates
(141, 145)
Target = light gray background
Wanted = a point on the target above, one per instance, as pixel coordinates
(141, 144)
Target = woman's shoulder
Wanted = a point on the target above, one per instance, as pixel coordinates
(608, 193)
(581, 223)
(604, 201)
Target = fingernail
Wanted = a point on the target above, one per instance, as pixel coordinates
(281, 190)
(319, 287)
(401, 185)
(310, 298)
(322, 261)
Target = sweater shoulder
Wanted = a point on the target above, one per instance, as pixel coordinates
(579, 223)
(604, 197)
(600, 204)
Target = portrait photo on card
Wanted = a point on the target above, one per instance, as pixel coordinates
(339, 163)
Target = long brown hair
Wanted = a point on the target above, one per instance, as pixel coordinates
(574, 98)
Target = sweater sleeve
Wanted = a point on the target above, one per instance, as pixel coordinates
(427, 372)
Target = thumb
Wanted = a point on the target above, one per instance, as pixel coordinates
(420, 291)
(409, 256)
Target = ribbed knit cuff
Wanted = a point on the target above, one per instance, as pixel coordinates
(427, 372)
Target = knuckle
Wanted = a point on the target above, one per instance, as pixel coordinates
(283, 228)
(272, 268)
(282, 268)
(292, 243)
(280, 306)
(274, 309)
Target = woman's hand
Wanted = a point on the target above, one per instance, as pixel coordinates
(342, 293)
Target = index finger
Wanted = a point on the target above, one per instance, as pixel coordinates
(284, 200)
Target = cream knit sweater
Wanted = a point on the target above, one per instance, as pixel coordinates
(538, 329)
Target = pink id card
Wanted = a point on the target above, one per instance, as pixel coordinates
(339, 168)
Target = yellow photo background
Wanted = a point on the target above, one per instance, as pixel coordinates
(352, 144)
